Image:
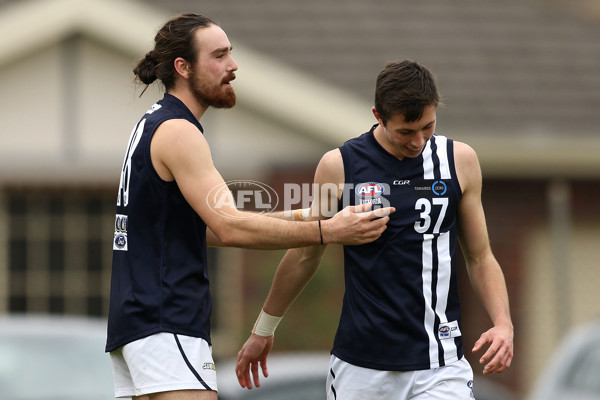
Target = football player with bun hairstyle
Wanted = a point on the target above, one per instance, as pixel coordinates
(160, 303)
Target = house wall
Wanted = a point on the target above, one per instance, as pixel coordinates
(31, 115)
(247, 145)
(67, 112)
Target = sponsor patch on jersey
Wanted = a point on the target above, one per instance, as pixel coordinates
(431, 188)
(369, 190)
(448, 330)
(210, 366)
(120, 239)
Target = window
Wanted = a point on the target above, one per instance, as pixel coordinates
(59, 250)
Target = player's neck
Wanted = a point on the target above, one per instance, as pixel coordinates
(190, 101)
(381, 138)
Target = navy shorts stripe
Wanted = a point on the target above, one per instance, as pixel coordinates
(332, 388)
(190, 366)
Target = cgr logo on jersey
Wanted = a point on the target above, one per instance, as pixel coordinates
(369, 192)
(430, 188)
(120, 239)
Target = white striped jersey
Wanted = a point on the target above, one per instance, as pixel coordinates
(401, 308)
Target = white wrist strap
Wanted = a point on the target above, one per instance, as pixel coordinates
(300, 214)
(305, 213)
(266, 324)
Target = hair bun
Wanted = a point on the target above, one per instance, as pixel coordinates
(146, 69)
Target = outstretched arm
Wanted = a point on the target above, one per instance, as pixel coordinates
(213, 240)
(484, 271)
(293, 273)
(179, 152)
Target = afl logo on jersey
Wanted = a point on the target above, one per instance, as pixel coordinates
(444, 331)
(448, 330)
(369, 190)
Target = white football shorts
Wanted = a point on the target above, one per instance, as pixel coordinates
(349, 382)
(163, 362)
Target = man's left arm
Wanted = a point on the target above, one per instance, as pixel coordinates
(484, 271)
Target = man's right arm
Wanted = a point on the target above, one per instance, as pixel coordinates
(294, 272)
(299, 265)
(179, 152)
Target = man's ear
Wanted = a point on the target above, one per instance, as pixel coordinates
(377, 116)
(182, 67)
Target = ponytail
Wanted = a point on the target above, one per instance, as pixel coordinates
(145, 71)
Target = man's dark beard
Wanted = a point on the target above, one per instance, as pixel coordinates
(217, 97)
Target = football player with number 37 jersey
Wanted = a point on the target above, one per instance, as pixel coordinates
(399, 334)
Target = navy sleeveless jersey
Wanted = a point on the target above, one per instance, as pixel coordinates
(401, 308)
(159, 277)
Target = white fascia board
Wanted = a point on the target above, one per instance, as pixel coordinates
(29, 25)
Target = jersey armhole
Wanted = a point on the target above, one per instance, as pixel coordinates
(348, 177)
(451, 161)
(149, 166)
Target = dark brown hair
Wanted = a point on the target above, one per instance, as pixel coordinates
(174, 39)
(405, 88)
